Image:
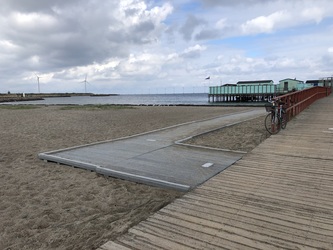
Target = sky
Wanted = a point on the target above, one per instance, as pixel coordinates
(160, 47)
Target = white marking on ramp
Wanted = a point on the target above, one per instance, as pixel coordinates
(330, 131)
(207, 165)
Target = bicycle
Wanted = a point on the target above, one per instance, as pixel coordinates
(277, 117)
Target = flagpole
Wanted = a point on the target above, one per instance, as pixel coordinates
(207, 78)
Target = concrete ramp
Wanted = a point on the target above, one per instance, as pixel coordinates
(155, 158)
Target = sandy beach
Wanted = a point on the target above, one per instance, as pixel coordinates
(49, 206)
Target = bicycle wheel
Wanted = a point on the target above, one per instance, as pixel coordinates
(284, 120)
(272, 124)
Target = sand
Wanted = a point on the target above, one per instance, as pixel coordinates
(49, 206)
(244, 136)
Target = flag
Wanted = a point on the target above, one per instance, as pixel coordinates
(207, 78)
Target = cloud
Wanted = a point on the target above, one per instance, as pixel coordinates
(120, 43)
(63, 36)
(314, 13)
(34, 6)
(190, 26)
(142, 64)
(133, 12)
(32, 21)
(214, 3)
(194, 51)
(221, 24)
(287, 17)
(8, 46)
(266, 24)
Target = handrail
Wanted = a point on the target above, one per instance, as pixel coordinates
(296, 102)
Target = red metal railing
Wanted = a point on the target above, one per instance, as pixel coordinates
(296, 102)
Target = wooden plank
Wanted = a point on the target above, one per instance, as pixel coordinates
(110, 245)
(233, 226)
(261, 211)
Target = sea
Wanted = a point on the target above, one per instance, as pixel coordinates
(195, 99)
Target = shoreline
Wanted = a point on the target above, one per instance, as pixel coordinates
(20, 99)
(255, 105)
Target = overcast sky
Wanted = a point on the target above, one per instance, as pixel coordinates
(156, 46)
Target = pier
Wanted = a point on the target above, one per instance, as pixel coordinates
(243, 93)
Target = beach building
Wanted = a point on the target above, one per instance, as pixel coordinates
(255, 83)
(327, 81)
(243, 91)
(322, 82)
(314, 83)
(288, 84)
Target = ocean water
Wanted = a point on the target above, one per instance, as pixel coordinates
(153, 99)
(195, 99)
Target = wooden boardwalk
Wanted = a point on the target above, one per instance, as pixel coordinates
(279, 196)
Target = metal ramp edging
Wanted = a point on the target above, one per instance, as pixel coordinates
(115, 173)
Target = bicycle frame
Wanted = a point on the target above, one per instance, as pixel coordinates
(283, 115)
(273, 121)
